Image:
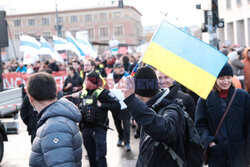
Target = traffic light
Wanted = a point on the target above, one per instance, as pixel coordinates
(215, 13)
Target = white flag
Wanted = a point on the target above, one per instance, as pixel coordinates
(29, 44)
(73, 45)
(85, 45)
(47, 49)
(60, 43)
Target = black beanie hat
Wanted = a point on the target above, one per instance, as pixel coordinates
(146, 83)
(226, 71)
(95, 78)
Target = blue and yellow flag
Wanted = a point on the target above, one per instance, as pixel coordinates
(184, 58)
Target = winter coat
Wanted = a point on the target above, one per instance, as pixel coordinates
(58, 141)
(168, 129)
(29, 117)
(232, 142)
(246, 62)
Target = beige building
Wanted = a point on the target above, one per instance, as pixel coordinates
(236, 14)
(102, 24)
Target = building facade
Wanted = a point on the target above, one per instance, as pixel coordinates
(236, 15)
(102, 24)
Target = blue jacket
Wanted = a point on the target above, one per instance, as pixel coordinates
(58, 142)
(168, 129)
(233, 140)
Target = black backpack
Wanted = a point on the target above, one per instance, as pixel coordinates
(193, 147)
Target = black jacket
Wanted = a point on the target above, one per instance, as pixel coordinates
(168, 129)
(108, 102)
(29, 117)
(53, 67)
(188, 103)
(76, 81)
(233, 140)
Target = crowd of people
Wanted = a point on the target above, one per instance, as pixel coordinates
(94, 87)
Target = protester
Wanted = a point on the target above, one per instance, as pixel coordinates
(246, 61)
(52, 65)
(167, 128)
(58, 141)
(95, 105)
(227, 145)
(187, 101)
(237, 66)
(30, 69)
(121, 116)
(100, 68)
(21, 68)
(72, 84)
(125, 61)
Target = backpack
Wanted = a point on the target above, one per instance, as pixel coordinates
(193, 147)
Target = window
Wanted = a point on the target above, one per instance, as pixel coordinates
(17, 23)
(60, 19)
(90, 33)
(73, 19)
(238, 2)
(104, 32)
(117, 15)
(31, 22)
(229, 4)
(118, 30)
(88, 18)
(73, 32)
(45, 21)
(46, 34)
(32, 34)
(102, 16)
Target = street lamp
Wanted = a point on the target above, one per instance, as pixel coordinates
(57, 26)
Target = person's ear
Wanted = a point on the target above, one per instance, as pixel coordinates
(31, 98)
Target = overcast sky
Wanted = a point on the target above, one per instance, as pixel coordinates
(179, 12)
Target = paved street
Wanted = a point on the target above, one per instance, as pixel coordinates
(17, 150)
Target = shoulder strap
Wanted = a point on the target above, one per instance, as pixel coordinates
(225, 113)
(172, 153)
(161, 98)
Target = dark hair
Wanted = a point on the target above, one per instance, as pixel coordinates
(95, 78)
(125, 59)
(92, 62)
(42, 86)
(47, 70)
(71, 68)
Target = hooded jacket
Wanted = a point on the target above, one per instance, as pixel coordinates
(58, 141)
(168, 129)
(246, 62)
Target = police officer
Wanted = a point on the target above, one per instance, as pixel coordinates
(96, 103)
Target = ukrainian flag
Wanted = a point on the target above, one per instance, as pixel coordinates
(184, 58)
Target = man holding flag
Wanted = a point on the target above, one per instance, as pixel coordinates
(189, 61)
(144, 102)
